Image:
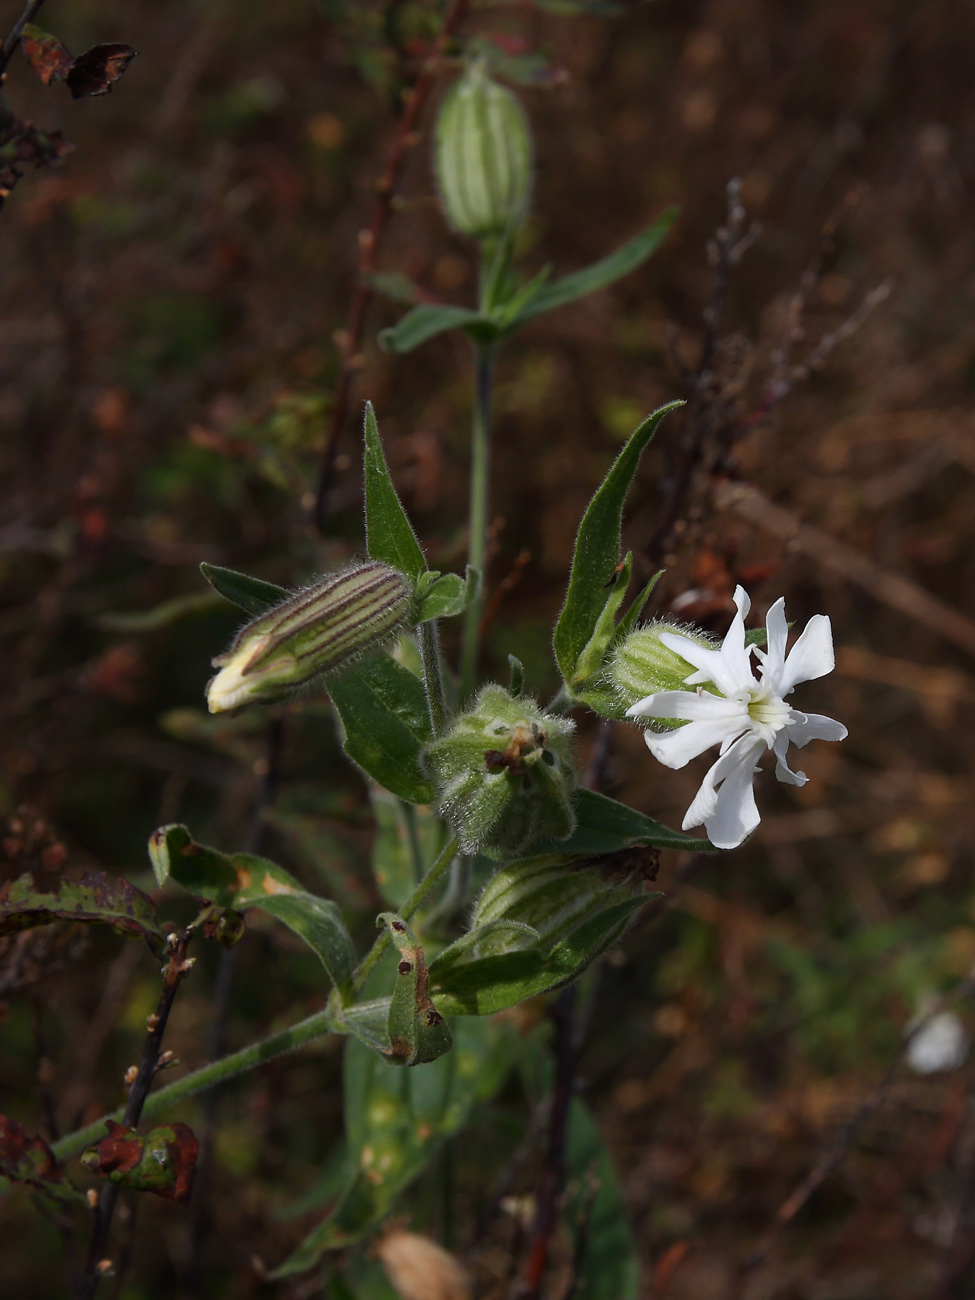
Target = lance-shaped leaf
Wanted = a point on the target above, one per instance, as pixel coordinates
(593, 653)
(389, 533)
(595, 1210)
(425, 322)
(445, 595)
(396, 1121)
(29, 1160)
(242, 880)
(417, 1031)
(605, 826)
(597, 549)
(601, 274)
(253, 595)
(384, 712)
(161, 1161)
(93, 897)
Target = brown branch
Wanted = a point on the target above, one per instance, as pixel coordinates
(176, 968)
(16, 32)
(370, 239)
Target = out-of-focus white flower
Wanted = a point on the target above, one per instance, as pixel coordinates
(940, 1045)
(743, 714)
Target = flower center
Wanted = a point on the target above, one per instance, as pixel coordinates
(768, 713)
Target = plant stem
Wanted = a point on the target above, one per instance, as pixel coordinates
(428, 639)
(477, 519)
(248, 1058)
(15, 33)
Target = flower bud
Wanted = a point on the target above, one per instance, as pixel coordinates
(642, 665)
(483, 155)
(504, 774)
(312, 632)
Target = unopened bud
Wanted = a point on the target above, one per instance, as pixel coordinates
(419, 1269)
(483, 156)
(504, 774)
(311, 633)
(642, 665)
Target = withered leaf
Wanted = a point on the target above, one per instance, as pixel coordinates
(94, 896)
(48, 58)
(161, 1161)
(94, 72)
(29, 1160)
(22, 142)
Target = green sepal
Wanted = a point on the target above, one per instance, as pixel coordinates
(632, 616)
(597, 549)
(517, 683)
(94, 897)
(425, 322)
(590, 661)
(417, 1031)
(383, 708)
(389, 533)
(253, 595)
(242, 880)
(444, 595)
(601, 274)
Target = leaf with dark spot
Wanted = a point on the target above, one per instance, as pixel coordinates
(29, 1160)
(48, 58)
(93, 897)
(161, 1161)
(94, 72)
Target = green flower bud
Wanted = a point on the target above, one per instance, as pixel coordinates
(504, 774)
(641, 665)
(483, 156)
(313, 632)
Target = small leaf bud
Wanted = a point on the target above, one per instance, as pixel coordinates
(504, 774)
(483, 155)
(642, 665)
(311, 633)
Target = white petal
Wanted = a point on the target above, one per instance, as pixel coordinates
(730, 672)
(776, 637)
(783, 771)
(810, 657)
(742, 600)
(735, 814)
(677, 748)
(690, 705)
(812, 726)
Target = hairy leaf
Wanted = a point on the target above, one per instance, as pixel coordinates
(389, 533)
(93, 897)
(425, 322)
(252, 595)
(605, 826)
(597, 549)
(447, 595)
(418, 1032)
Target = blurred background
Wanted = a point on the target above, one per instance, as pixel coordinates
(169, 302)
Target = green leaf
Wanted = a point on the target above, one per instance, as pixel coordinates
(394, 285)
(389, 533)
(517, 682)
(94, 897)
(369, 1023)
(593, 653)
(605, 826)
(383, 708)
(242, 881)
(392, 851)
(597, 549)
(425, 322)
(29, 1160)
(396, 1121)
(253, 595)
(417, 1031)
(629, 620)
(161, 1161)
(606, 271)
(448, 595)
(596, 1212)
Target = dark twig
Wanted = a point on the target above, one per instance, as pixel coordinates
(176, 968)
(836, 1151)
(960, 1264)
(350, 339)
(553, 1172)
(16, 32)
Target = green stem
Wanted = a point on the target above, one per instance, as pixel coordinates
(306, 1031)
(428, 640)
(478, 517)
(248, 1058)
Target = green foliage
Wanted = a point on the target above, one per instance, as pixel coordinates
(252, 595)
(29, 1160)
(241, 881)
(609, 1268)
(407, 837)
(444, 595)
(395, 1121)
(597, 554)
(417, 1031)
(389, 533)
(93, 898)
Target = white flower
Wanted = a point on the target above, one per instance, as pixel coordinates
(748, 716)
(940, 1044)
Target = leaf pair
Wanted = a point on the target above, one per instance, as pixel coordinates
(91, 73)
(535, 298)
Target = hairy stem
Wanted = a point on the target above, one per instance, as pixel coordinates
(428, 639)
(478, 515)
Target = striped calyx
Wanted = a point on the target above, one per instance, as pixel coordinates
(504, 774)
(313, 632)
(483, 154)
(641, 664)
